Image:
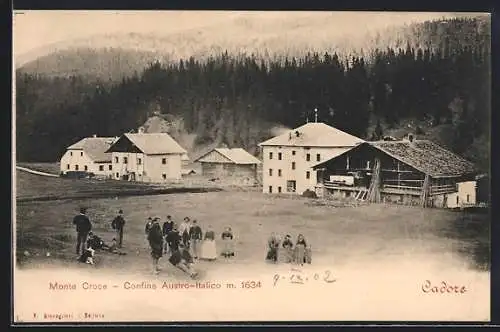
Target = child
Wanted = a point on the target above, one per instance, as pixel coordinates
(227, 239)
(273, 245)
(288, 246)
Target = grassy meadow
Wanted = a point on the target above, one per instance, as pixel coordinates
(379, 254)
(340, 234)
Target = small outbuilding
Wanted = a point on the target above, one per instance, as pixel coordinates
(233, 165)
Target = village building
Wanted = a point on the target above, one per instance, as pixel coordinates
(409, 171)
(234, 165)
(146, 157)
(288, 158)
(88, 155)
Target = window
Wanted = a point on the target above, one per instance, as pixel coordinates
(76, 167)
(293, 164)
(71, 153)
(468, 197)
(279, 172)
(308, 175)
(164, 176)
(270, 172)
(458, 200)
(110, 167)
(125, 160)
(117, 175)
(116, 160)
(293, 152)
(164, 161)
(270, 189)
(318, 157)
(139, 161)
(101, 168)
(279, 155)
(85, 168)
(279, 189)
(67, 166)
(291, 186)
(270, 155)
(308, 157)
(81, 154)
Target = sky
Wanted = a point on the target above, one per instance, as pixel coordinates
(35, 29)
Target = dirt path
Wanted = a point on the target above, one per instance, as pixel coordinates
(32, 171)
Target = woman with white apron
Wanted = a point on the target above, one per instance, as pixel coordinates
(208, 247)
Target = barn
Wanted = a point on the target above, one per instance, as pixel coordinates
(410, 172)
(234, 165)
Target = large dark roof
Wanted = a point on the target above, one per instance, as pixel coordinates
(424, 156)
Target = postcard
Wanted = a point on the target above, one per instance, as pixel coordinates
(228, 166)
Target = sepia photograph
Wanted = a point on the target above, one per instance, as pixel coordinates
(250, 166)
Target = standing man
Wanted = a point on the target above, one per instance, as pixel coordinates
(83, 227)
(195, 235)
(184, 231)
(118, 224)
(168, 226)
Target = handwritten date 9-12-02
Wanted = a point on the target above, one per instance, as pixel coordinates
(297, 277)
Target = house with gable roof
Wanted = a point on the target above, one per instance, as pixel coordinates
(88, 155)
(288, 158)
(146, 157)
(407, 171)
(235, 165)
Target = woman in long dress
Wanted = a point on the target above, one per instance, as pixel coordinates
(273, 244)
(155, 238)
(288, 249)
(228, 243)
(208, 248)
(300, 250)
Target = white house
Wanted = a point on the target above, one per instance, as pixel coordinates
(464, 196)
(147, 157)
(288, 158)
(89, 155)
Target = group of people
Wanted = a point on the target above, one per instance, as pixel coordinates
(88, 242)
(298, 253)
(185, 243)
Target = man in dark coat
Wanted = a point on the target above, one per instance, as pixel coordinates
(173, 239)
(168, 226)
(118, 224)
(195, 234)
(83, 227)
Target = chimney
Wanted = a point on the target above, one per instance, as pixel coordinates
(315, 115)
(94, 135)
(140, 130)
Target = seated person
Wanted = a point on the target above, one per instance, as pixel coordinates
(87, 256)
(183, 260)
(113, 248)
(96, 242)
